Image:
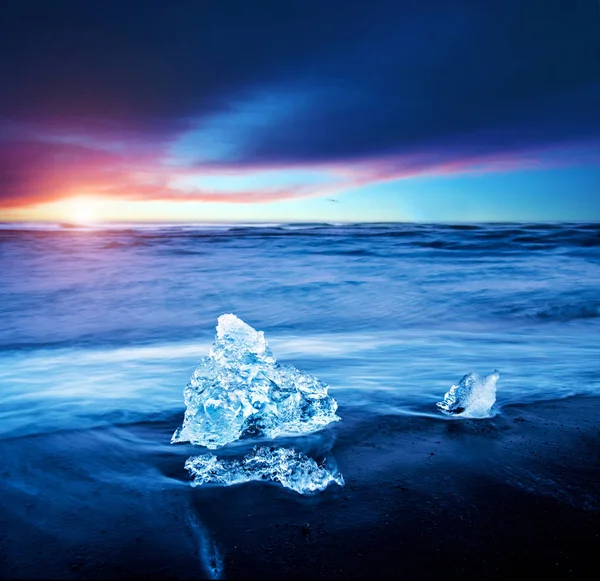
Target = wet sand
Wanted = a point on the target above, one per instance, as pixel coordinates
(425, 498)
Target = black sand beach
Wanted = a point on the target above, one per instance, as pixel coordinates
(424, 498)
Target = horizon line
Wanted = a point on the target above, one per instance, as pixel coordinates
(69, 224)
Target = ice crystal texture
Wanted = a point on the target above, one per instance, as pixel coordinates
(473, 397)
(291, 469)
(240, 390)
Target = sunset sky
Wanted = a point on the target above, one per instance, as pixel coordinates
(189, 111)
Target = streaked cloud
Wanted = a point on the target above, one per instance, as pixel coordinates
(238, 104)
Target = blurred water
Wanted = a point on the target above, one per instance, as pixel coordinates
(102, 327)
(105, 325)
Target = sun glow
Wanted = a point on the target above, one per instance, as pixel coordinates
(82, 211)
(83, 216)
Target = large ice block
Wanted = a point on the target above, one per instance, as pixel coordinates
(240, 389)
(291, 469)
(473, 397)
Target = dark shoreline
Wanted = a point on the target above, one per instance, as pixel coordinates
(425, 498)
(518, 493)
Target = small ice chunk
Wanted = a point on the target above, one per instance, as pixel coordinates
(291, 469)
(473, 397)
(240, 390)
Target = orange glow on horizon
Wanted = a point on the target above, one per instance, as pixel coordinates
(83, 211)
(90, 210)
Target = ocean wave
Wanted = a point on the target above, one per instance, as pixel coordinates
(462, 237)
(568, 312)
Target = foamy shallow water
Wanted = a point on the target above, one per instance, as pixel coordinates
(101, 325)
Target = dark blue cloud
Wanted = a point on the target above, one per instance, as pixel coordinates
(150, 58)
(283, 82)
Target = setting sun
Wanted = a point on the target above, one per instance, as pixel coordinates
(83, 215)
(82, 211)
